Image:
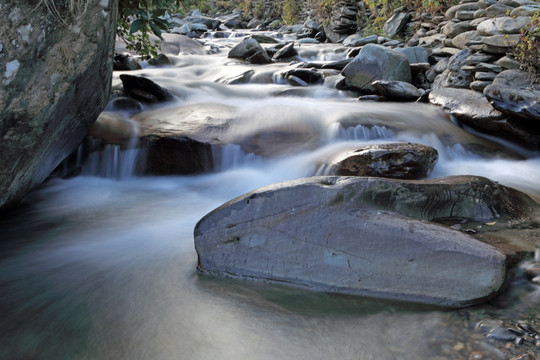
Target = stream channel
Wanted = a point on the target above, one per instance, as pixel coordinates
(103, 266)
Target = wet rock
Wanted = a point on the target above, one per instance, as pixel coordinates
(488, 325)
(396, 23)
(397, 160)
(209, 23)
(114, 128)
(175, 156)
(126, 62)
(55, 81)
(523, 357)
(309, 76)
(375, 62)
(454, 76)
(465, 104)
(326, 234)
(397, 90)
(510, 94)
(250, 51)
(359, 40)
(160, 60)
(144, 90)
(286, 52)
(502, 334)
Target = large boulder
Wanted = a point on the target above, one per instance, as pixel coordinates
(363, 236)
(455, 76)
(250, 51)
(376, 62)
(56, 77)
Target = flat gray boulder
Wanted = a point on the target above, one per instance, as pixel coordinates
(376, 62)
(336, 234)
(397, 90)
(465, 104)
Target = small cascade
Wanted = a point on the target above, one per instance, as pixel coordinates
(231, 156)
(359, 132)
(112, 162)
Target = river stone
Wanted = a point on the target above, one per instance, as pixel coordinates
(144, 90)
(508, 63)
(55, 79)
(286, 52)
(451, 12)
(454, 76)
(452, 29)
(359, 40)
(396, 160)
(397, 90)
(526, 10)
(498, 9)
(250, 51)
(396, 23)
(415, 54)
(501, 41)
(376, 62)
(465, 104)
(114, 128)
(175, 44)
(323, 234)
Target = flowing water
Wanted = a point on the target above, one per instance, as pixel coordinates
(103, 266)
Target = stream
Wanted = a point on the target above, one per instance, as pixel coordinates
(103, 265)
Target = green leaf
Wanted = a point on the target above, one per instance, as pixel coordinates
(156, 30)
(164, 25)
(136, 25)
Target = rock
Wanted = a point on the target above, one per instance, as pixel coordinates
(144, 90)
(250, 51)
(415, 54)
(329, 234)
(286, 52)
(512, 97)
(397, 160)
(479, 85)
(484, 4)
(501, 41)
(296, 81)
(451, 13)
(397, 90)
(488, 67)
(309, 76)
(452, 29)
(465, 15)
(126, 62)
(113, 128)
(508, 63)
(465, 104)
(358, 40)
(484, 76)
(454, 76)
(208, 22)
(55, 80)
(444, 51)
(498, 9)
(127, 104)
(175, 44)
(502, 25)
(526, 10)
(463, 40)
(396, 23)
(264, 39)
(160, 60)
(479, 57)
(375, 62)
(175, 156)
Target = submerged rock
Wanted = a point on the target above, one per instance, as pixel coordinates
(395, 160)
(339, 234)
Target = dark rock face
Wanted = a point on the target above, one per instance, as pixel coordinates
(353, 235)
(175, 155)
(250, 51)
(399, 160)
(56, 78)
(144, 90)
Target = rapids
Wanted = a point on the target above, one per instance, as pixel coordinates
(102, 266)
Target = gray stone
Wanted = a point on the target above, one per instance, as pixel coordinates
(375, 62)
(465, 15)
(394, 160)
(441, 66)
(479, 85)
(484, 4)
(478, 21)
(250, 51)
(503, 25)
(392, 43)
(444, 51)
(461, 41)
(397, 90)
(359, 40)
(508, 63)
(454, 76)
(526, 10)
(488, 67)
(340, 234)
(452, 29)
(396, 23)
(501, 41)
(113, 128)
(415, 54)
(480, 13)
(486, 76)
(432, 40)
(286, 52)
(465, 104)
(55, 80)
(479, 57)
(498, 9)
(451, 13)
(175, 44)
(488, 28)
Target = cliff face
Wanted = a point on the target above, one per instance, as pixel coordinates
(55, 77)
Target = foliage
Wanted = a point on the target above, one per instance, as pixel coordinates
(138, 18)
(323, 9)
(527, 51)
(290, 11)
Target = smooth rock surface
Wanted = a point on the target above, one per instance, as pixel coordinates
(324, 234)
(397, 90)
(250, 51)
(375, 62)
(465, 104)
(55, 80)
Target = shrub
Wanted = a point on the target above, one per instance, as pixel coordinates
(527, 51)
(290, 11)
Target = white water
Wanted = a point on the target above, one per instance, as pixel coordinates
(102, 266)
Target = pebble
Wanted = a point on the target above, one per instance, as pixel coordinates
(502, 334)
(487, 325)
